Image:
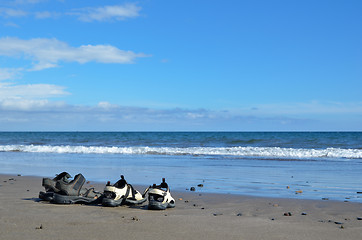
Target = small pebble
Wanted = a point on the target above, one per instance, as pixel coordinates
(217, 214)
(192, 189)
(325, 199)
(200, 185)
(239, 214)
(359, 218)
(304, 214)
(41, 227)
(275, 205)
(288, 214)
(338, 223)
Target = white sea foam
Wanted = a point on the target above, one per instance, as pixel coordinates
(267, 152)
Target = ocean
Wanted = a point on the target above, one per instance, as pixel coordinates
(304, 165)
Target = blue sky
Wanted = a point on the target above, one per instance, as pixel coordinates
(163, 65)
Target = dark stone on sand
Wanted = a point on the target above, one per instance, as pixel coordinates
(359, 218)
(325, 199)
(338, 223)
(304, 214)
(192, 189)
(359, 192)
(200, 185)
(41, 227)
(288, 214)
(217, 214)
(239, 214)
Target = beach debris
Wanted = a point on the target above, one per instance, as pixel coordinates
(200, 185)
(299, 191)
(186, 201)
(275, 205)
(288, 187)
(40, 227)
(303, 213)
(239, 214)
(359, 192)
(359, 218)
(19, 175)
(338, 223)
(272, 219)
(288, 214)
(325, 199)
(192, 189)
(135, 218)
(217, 214)
(180, 199)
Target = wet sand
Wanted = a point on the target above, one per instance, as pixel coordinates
(196, 216)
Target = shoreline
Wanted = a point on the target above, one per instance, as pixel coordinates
(196, 216)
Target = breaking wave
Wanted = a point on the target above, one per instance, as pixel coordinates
(267, 152)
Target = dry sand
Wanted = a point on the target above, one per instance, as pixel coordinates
(209, 216)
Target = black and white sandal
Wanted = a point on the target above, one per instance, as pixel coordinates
(122, 193)
(159, 197)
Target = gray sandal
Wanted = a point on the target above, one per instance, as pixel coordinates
(72, 192)
(50, 186)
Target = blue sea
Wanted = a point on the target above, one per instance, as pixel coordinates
(304, 165)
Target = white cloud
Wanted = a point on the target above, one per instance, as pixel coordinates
(9, 73)
(312, 107)
(43, 114)
(107, 13)
(47, 53)
(31, 91)
(10, 12)
(44, 14)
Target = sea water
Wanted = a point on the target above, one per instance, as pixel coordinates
(305, 165)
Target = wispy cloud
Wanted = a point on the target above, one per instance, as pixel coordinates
(40, 113)
(107, 13)
(10, 12)
(16, 9)
(47, 53)
(9, 73)
(308, 108)
(46, 14)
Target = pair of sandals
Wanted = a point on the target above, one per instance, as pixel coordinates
(63, 191)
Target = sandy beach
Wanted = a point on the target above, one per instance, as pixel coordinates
(196, 216)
